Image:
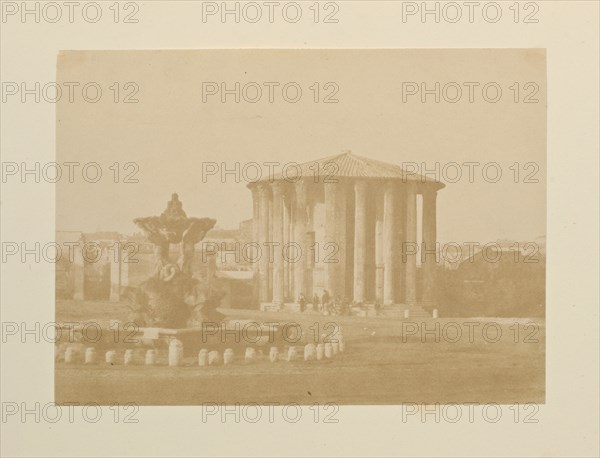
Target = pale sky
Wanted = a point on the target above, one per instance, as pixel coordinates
(171, 134)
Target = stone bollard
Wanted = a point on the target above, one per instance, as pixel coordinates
(292, 354)
(250, 355)
(203, 358)
(214, 358)
(228, 356)
(110, 357)
(175, 352)
(128, 357)
(150, 358)
(320, 351)
(70, 355)
(435, 313)
(328, 350)
(90, 355)
(406, 314)
(274, 354)
(310, 352)
(335, 347)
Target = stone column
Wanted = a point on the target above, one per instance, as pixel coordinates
(114, 259)
(329, 191)
(300, 222)
(255, 225)
(333, 250)
(379, 248)
(428, 248)
(277, 239)
(360, 239)
(309, 243)
(127, 257)
(389, 243)
(269, 248)
(263, 238)
(399, 239)
(286, 243)
(410, 248)
(78, 270)
(311, 251)
(337, 253)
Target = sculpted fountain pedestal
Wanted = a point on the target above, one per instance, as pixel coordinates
(172, 297)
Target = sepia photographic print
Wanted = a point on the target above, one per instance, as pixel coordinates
(345, 227)
(317, 228)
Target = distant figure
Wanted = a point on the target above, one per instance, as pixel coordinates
(302, 302)
(336, 309)
(346, 306)
(325, 299)
(377, 308)
(316, 302)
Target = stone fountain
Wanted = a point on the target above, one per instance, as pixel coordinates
(172, 297)
(176, 309)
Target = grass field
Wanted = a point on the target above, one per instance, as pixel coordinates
(387, 361)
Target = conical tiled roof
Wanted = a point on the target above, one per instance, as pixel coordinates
(348, 165)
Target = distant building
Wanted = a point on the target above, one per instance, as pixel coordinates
(228, 246)
(67, 275)
(505, 282)
(101, 265)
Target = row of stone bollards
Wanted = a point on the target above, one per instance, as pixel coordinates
(311, 352)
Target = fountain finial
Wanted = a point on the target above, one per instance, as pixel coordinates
(174, 208)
